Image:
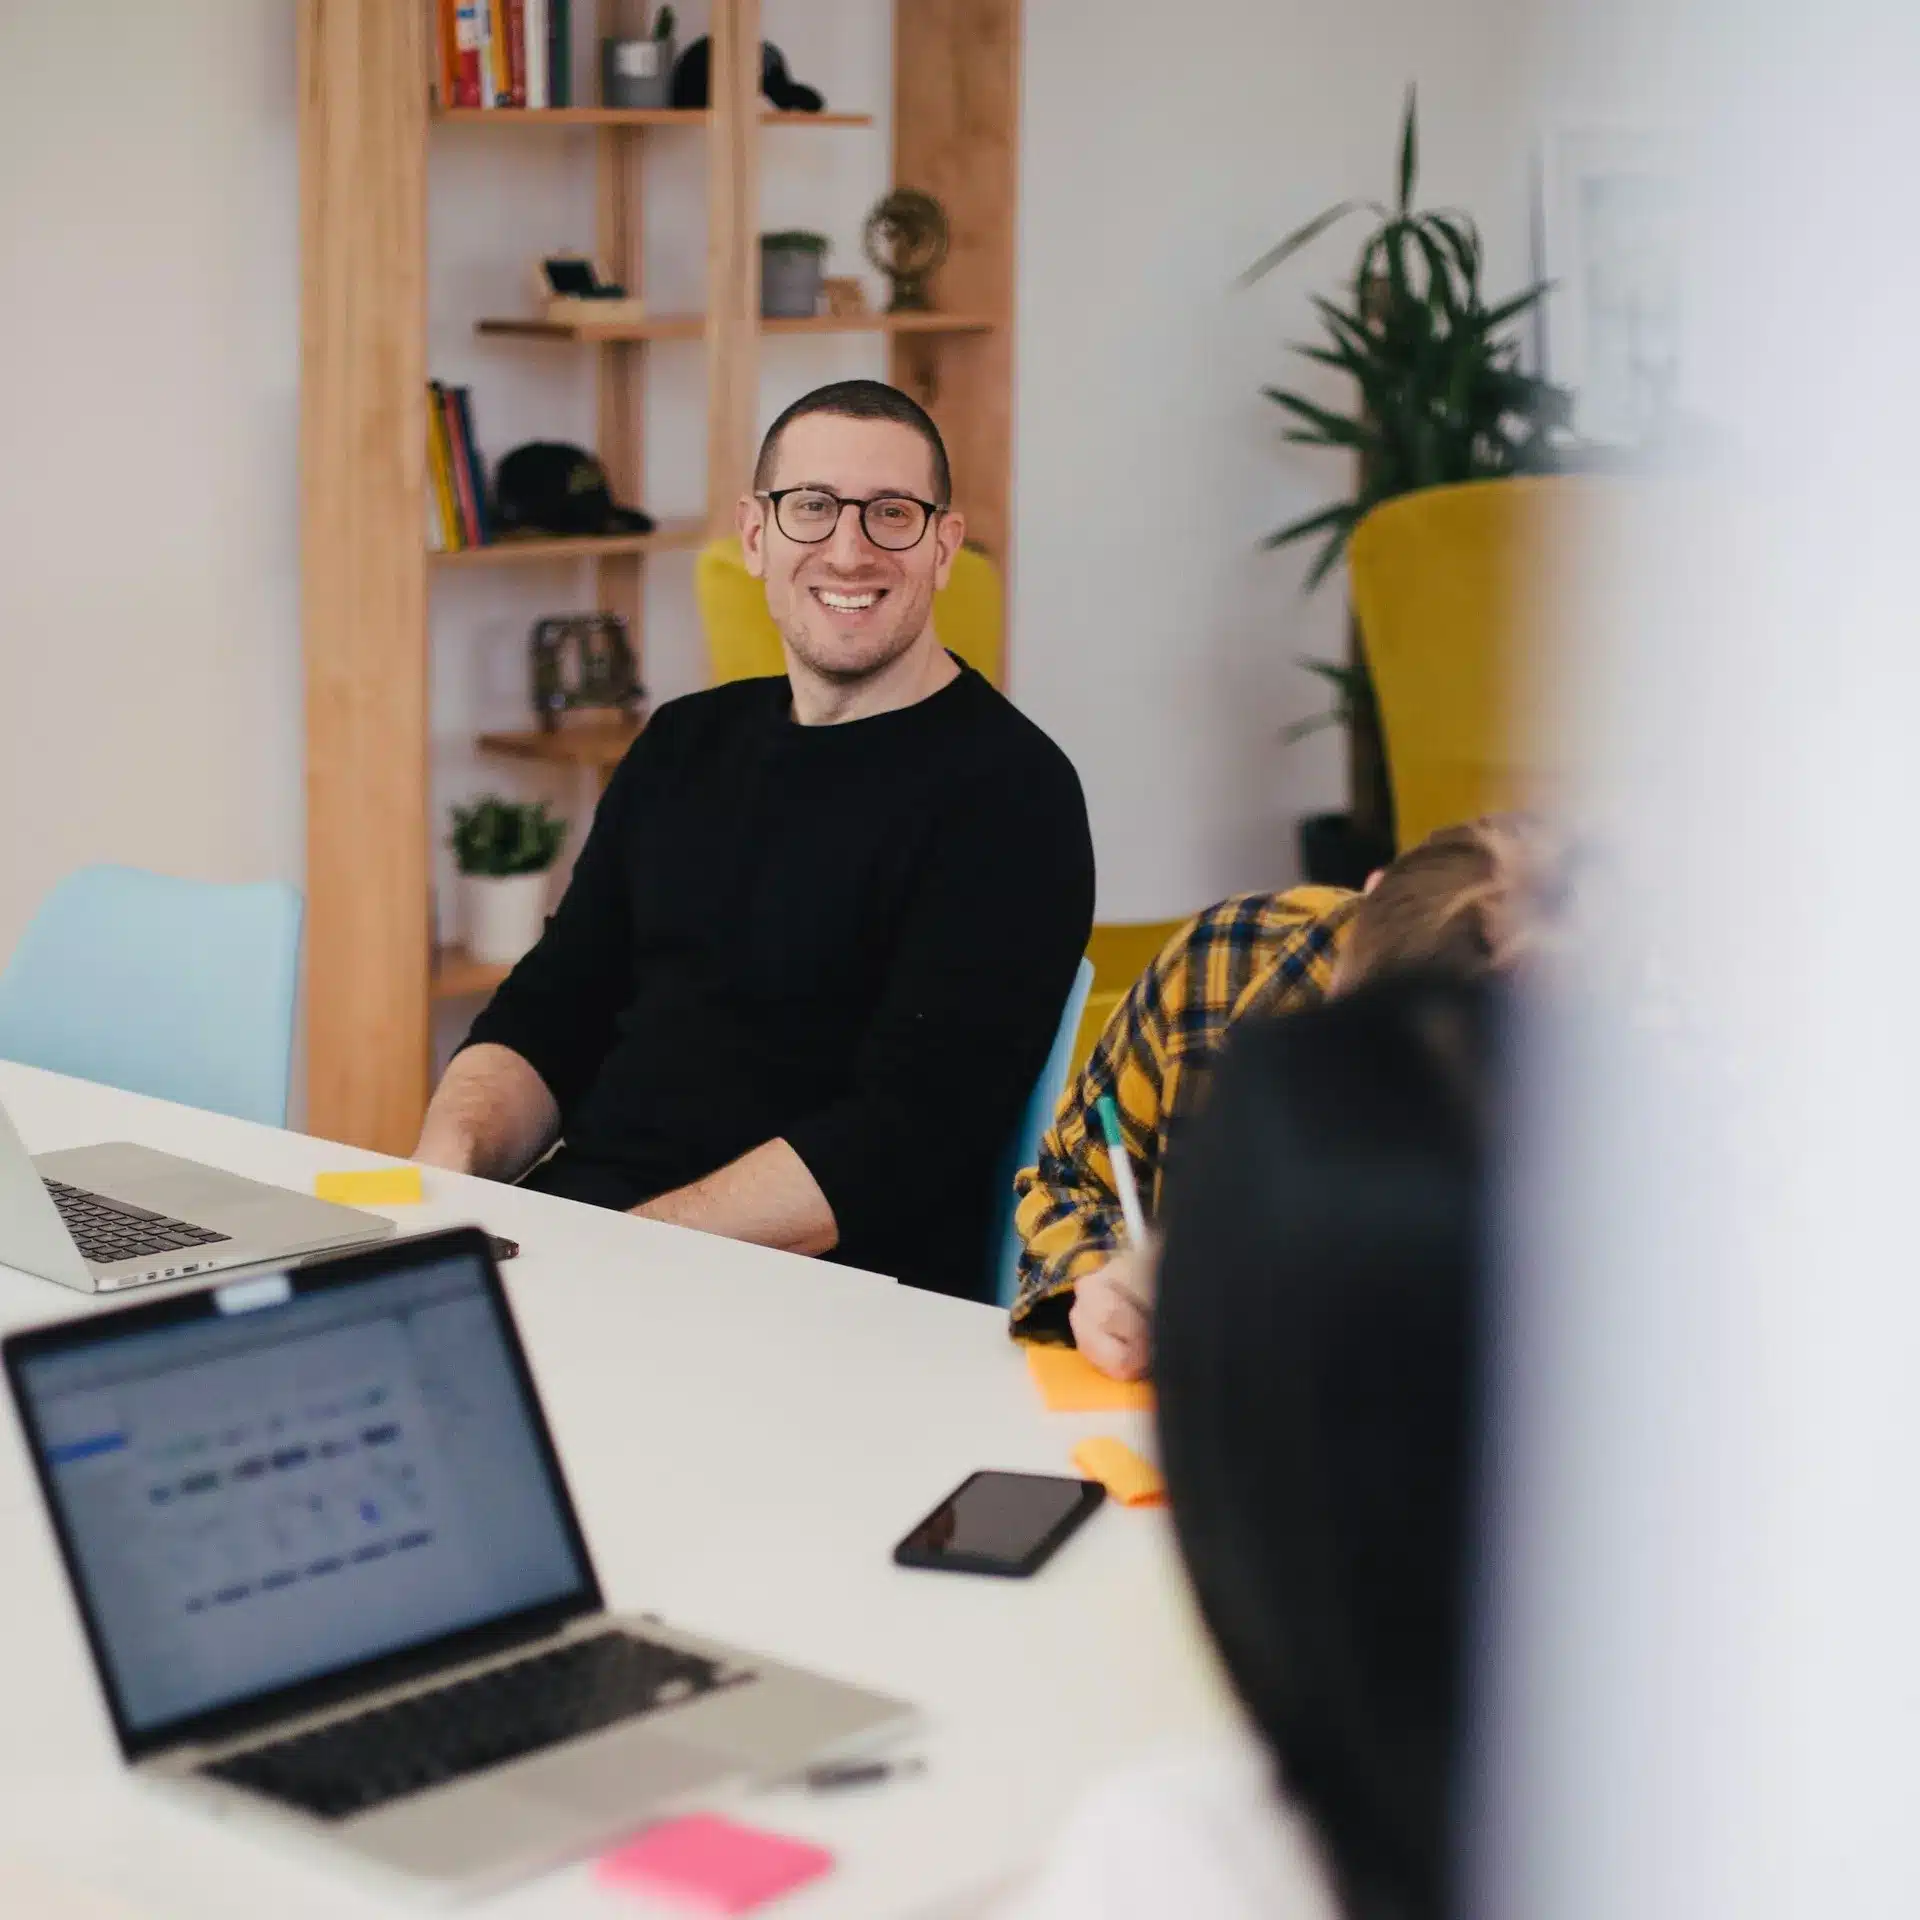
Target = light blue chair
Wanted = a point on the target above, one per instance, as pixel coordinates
(178, 988)
(1025, 1150)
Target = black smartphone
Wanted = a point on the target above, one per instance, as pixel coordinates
(1009, 1524)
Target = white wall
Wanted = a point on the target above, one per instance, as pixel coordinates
(149, 360)
(1163, 151)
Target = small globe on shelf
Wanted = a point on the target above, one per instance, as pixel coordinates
(906, 239)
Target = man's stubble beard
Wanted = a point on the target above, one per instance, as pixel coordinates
(905, 634)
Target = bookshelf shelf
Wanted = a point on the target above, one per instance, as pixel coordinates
(458, 976)
(526, 117)
(599, 744)
(676, 536)
(692, 326)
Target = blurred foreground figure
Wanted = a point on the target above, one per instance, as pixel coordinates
(1319, 1344)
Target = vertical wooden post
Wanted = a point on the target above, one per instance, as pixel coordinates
(956, 132)
(733, 257)
(362, 129)
(620, 366)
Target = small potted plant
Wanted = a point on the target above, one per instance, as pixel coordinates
(637, 70)
(790, 268)
(505, 850)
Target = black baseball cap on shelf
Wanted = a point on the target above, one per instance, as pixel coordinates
(693, 80)
(549, 487)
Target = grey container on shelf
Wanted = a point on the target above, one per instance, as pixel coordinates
(636, 73)
(789, 280)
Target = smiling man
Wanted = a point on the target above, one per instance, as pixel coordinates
(815, 948)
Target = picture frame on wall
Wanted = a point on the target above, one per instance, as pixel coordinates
(1610, 234)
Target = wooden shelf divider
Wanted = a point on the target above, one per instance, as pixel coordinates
(524, 117)
(458, 976)
(674, 536)
(599, 744)
(692, 326)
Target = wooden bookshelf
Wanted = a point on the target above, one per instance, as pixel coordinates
(674, 536)
(366, 123)
(693, 326)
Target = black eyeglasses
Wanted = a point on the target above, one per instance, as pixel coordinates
(894, 521)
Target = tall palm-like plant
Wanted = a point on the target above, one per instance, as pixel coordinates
(1439, 398)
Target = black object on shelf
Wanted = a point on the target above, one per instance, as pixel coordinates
(547, 486)
(693, 80)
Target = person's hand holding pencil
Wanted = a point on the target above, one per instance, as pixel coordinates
(1111, 1305)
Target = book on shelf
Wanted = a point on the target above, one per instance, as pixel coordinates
(457, 473)
(516, 12)
(440, 472)
(533, 33)
(504, 53)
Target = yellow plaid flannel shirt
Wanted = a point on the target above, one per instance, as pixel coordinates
(1265, 950)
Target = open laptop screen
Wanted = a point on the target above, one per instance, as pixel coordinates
(301, 1477)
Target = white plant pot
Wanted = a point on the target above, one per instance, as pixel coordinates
(504, 915)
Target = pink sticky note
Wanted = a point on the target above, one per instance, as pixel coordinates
(713, 1865)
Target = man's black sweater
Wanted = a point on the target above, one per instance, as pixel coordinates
(855, 938)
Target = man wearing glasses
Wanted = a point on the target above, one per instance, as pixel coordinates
(815, 948)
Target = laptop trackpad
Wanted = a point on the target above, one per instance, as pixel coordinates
(619, 1774)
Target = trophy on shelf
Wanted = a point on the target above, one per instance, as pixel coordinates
(583, 663)
(906, 239)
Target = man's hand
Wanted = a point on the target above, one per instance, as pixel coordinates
(1109, 1316)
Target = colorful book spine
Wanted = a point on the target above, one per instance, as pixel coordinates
(475, 468)
(499, 61)
(446, 57)
(539, 86)
(560, 53)
(517, 53)
(463, 499)
(467, 48)
(440, 467)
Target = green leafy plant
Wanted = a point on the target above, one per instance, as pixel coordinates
(796, 240)
(1439, 398)
(663, 24)
(497, 838)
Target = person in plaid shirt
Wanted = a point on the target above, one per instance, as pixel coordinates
(1469, 900)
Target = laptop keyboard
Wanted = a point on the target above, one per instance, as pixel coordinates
(109, 1230)
(504, 1714)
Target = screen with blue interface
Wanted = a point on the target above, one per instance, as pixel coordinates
(270, 1496)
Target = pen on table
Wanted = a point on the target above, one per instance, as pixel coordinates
(1123, 1186)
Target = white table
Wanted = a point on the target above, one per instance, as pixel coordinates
(746, 1434)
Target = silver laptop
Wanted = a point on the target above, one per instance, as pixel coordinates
(333, 1581)
(101, 1218)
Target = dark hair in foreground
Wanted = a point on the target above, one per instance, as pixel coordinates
(860, 400)
(1318, 1348)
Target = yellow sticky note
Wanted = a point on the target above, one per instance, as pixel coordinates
(1070, 1383)
(1132, 1481)
(371, 1187)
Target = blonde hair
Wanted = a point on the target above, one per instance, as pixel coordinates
(1480, 898)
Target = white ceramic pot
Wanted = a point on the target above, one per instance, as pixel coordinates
(504, 915)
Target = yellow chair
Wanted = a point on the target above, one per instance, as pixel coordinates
(1121, 951)
(744, 644)
(1461, 595)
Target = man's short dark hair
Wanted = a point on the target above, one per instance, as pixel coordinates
(861, 400)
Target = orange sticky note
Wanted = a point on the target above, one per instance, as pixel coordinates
(1070, 1383)
(1132, 1481)
(371, 1187)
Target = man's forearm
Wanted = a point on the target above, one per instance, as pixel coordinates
(766, 1196)
(491, 1115)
